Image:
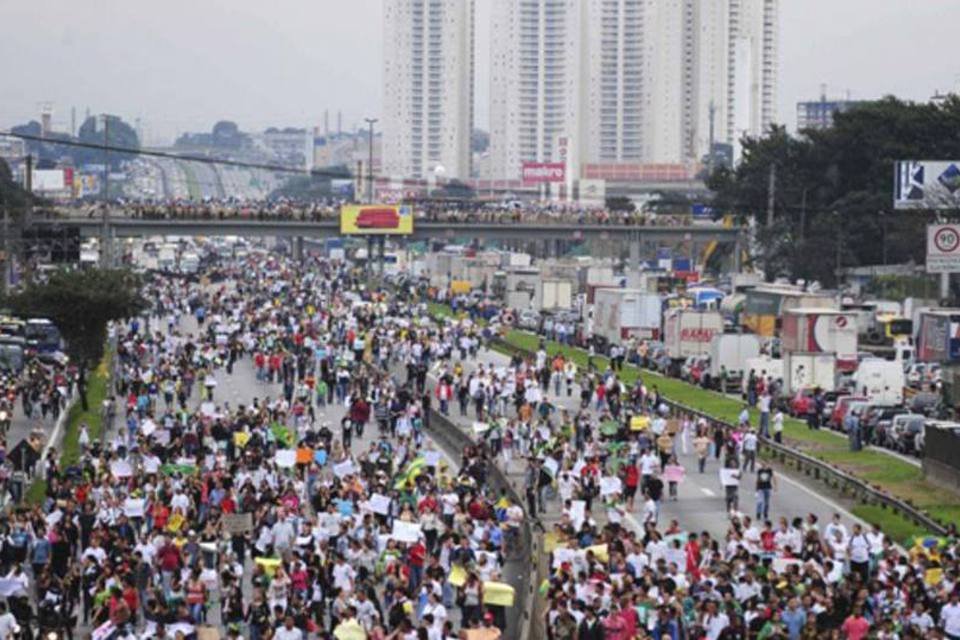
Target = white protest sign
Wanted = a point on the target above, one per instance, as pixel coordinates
(134, 507)
(121, 469)
(285, 458)
(380, 504)
(405, 531)
(610, 485)
(208, 409)
(343, 469)
(432, 458)
(578, 513)
(148, 427)
(551, 466)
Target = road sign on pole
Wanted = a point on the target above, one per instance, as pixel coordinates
(943, 248)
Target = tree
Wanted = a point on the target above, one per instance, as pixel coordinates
(119, 134)
(832, 202)
(620, 203)
(313, 187)
(81, 303)
(455, 190)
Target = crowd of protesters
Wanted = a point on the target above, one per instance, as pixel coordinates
(618, 571)
(535, 212)
(267, 517)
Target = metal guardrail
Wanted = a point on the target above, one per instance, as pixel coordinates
(453, 438)
(832, 476)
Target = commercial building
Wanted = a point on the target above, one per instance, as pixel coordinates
(428, 71)
(818, 114)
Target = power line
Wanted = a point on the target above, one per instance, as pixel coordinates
(318, 173)
(177, 156)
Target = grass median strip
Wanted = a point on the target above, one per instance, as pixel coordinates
(885, 472)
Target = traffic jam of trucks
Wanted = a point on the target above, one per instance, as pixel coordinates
(829, 359)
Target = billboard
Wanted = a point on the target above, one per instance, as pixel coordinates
(593, 192)
(542, 172)
(376, 219)
(935, 342)
(926, 184)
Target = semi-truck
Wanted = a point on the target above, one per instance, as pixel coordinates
(621, 314)
(820, 330)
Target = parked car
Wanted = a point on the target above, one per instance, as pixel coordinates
(802, 404)
(876, 420)
(840, 409)
(904, 431)
(924, 402)
(528, 319)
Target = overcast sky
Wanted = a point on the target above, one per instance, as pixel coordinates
(180, 65)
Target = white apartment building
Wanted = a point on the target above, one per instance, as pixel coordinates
(615, 81)
(428, 75)
(535, 83)
(641, 80)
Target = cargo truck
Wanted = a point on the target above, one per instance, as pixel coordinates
(621, 314)
(817, 330)
(732, 352)
(689, 332)
(938, 338)
(880, 381)
(804, 371)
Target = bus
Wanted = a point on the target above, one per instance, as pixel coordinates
(43, 336)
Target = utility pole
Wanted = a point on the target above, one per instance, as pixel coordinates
(6, 247)
(370, 122)
(105, 248)
(771, 193)
(713, 113)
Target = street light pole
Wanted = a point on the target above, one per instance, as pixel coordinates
(370, 122)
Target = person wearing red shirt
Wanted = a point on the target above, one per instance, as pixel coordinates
(428, 503)
(631, 481)
(416, 556)
(856, 627)
(692, 551)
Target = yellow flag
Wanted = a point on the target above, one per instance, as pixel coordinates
(600, 552)
(639, 423)
(269, 565)
(458, 576)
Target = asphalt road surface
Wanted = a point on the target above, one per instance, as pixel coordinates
(700, 502)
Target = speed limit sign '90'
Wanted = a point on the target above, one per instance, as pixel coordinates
(943, 248)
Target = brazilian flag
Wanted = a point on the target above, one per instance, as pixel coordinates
(413, 469)
(182, 469)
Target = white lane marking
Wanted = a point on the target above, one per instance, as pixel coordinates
(825, 500)
(708, 492)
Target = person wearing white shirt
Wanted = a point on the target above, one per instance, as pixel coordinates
(859, 550)
(288, 631)
(8, 623)
(950, 617)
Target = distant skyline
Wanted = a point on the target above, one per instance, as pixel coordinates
(180, 66)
